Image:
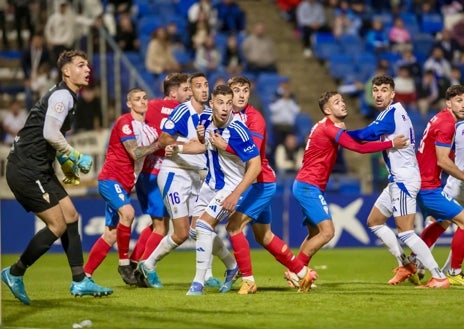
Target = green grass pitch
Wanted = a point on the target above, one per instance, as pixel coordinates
(352, 292)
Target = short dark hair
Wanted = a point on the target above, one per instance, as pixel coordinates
(134, 90)
(195, 75)
(324, 99)
(173, 80)
(383, 80)
(222, 90)
(67, 56)
(239, 80)
(453, 91)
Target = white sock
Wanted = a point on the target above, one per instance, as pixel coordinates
(209, 271)
(204, 249)
(220, 250)
(165, 246)
(447, 266)
(388, 237)
(422, 252)
(192, 233)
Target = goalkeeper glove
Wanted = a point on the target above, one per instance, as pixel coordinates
(70, 170)
(83, 161)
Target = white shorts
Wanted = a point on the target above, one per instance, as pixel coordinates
(398, 199)
(180, 189)
(210, 201)
(453, 187)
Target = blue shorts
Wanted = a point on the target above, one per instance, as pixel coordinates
(115, 197)
(256, 202)
(311, 199)
(149, 195)
(438, 204)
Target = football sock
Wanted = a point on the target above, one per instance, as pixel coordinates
(241, 249)
(39, 245)
(204, 249)
(284, 255)
(192, 233)
(303, 258)
(72, 245)
(209, 271)
(388, 237)
(447, 266)
(153, 241)
(123, 234)
(165, 247)
(97, 254)
(220, 250)
(422, 252)
(431, 233)
(457, 251)
(139, 248)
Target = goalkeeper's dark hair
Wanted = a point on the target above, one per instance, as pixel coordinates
(324, 99)
(67, 56)
(239, 80)
(173, 80)
(453, 91)
(222, 90)
(194, 76)
(133, 91)
(383, 79)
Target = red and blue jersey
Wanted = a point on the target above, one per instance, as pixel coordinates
(438, 132)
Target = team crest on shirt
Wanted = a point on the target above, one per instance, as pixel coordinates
(126, 129)
(169, 124)
(59, 107)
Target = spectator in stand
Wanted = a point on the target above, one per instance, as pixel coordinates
(200, 31)
(284, 111)
(200, 11)
(31, 58)
(22, 13)
(376, 38)
(440, 66)
(405, 88)
(42, 81)
(175, 38)
(288, 10)
(159, 57)
(450, 46)
(259, 51)
(288, 156)
(310, 18)
(13, 121)
(457, 31)
(456, 76)
(428, 93)
(410, 61)
(399, 36)
(89, 116)
(61, 28)
(232, 60)
(346, 22)
(230, 17)
(126, 36)
(207, 57)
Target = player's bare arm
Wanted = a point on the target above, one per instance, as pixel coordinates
(136, 152)
(445, 163)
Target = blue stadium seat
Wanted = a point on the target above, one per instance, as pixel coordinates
(324, 44)
(432, 23)
(351, 44)
(410, 22)
(341, 66)
(366, 65)
(147, 24)
(422, 44)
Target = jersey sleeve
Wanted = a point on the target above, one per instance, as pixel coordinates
(59, 104)
(383, 125)
(177, 122)
(123, 129)
(369, 147)
(444, 136)
(241, 142)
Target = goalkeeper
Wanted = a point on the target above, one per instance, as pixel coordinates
(31, 177)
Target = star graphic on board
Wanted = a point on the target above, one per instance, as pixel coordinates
(344, 218)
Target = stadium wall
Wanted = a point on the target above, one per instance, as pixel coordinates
(349, 213)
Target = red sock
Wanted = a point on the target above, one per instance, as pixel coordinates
(96, 256)
(242, 253)
(141, 243)
(457, 249)
(284, 255)
(303, 258)
(123, 234)
(153, 242)
(431, 233)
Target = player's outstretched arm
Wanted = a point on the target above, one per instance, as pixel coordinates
(136, 152)
(371, 147)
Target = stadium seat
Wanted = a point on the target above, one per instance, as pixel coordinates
(366, 64)
(422, 44)
(432, 23)
(324, 44)
(410, 22)
(341, 66)
(147, 24)
(351, 44)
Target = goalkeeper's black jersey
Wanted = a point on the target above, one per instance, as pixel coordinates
(30, 151)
